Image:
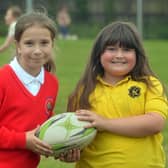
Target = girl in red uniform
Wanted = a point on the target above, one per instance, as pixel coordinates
(28, 91)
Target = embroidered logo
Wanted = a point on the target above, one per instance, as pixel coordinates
(49, 105)
(134, 91)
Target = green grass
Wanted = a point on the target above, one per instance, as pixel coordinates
(71, 58)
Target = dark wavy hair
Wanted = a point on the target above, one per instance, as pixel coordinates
(126, 35)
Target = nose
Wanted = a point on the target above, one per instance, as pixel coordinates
(119, 53)
(37, 50)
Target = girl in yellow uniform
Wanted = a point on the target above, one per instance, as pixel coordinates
(121, 97)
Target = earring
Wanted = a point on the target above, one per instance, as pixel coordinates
(94, 68)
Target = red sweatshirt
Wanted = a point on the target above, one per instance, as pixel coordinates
(20, 112)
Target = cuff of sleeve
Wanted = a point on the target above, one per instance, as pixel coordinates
(52, 114)
(20, 140)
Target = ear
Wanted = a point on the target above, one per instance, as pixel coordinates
(18, 51)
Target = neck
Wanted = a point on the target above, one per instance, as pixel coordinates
(112, 79)
(32, 71)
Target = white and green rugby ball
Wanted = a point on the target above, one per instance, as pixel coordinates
(64, 132)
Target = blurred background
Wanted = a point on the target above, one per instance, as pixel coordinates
(79, 23)
(89, 16)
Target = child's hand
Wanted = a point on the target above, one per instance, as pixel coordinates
(36, 145)
(72, 155)
(95, 120)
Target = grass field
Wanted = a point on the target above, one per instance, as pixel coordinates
(71, 57)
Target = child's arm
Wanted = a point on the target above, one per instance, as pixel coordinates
(21, 140)
(9, 40)
(11, 139)
(135, 126)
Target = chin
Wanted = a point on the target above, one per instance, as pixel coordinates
(36, 65)
(119, 74)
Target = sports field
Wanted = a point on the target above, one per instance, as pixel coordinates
(71, 58)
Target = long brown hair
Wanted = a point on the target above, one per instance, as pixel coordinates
(123, 33)
(41, 19)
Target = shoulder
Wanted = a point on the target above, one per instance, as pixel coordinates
(154, 80)
(155, 88)
(156, 83)
(51, 78)
(5, 75)
(5, 70)
(51, 83)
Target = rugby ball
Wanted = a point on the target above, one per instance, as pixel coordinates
(64, 132)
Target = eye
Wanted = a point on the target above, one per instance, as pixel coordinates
(128, 49)
(45, 42)
(111, 48)
(28, 43)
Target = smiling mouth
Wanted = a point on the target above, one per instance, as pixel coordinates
(116, 62)
(36, 59)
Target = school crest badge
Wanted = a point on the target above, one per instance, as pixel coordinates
(134, 91)
(49, 105)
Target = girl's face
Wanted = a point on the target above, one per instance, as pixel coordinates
(9, 17)
(34, 49)
(117, 61)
